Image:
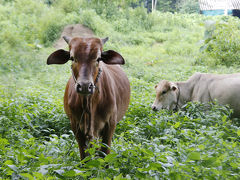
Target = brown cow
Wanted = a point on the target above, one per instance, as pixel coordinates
(98, 92)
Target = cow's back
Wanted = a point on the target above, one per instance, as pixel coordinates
(221, 87)
(226, 91)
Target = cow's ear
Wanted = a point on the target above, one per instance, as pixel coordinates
(173, 87)
(156, 86)
(112, 57)
(58, 57)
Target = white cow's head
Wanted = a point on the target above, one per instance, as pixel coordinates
(166, 96)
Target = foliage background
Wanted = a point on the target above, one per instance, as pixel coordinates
(35, 137)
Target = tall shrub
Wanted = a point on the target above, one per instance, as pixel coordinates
(187, 6)
(222, 43)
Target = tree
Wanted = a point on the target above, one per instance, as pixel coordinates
(154, 5)
(167, 5)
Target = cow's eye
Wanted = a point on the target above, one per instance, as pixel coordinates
(98, 59)
(73, 59)
(164, 92)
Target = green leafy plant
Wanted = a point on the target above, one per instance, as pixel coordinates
(221, 44)
(199, 142)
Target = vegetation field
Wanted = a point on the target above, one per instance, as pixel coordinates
(36, 141)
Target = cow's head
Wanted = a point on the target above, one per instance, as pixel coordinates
(85, 54)
(166, 96)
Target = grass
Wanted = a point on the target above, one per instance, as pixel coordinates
(35, 135)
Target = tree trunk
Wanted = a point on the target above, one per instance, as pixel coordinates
(154, 5)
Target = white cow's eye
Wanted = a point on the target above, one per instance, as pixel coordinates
(98, 59)
(164, 92)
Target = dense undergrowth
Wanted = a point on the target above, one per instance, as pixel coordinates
(35, 137)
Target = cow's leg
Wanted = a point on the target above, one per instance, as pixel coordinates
(81, 140)
(81, 144)
(107, 135)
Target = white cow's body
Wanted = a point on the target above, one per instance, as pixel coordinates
(201, 87)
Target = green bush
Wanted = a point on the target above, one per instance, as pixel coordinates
(166, 5)
(105, 8)
(36, 140)
(188, 6)
(222, 43)
(29, 7)
(34, 113)
(50, 27)
(140, 18)
(90, 19)
(181, 6)
(69, 6)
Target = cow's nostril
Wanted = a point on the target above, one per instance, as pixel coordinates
(84, 88)
(79, 88)
(154, 108)
(90, 87)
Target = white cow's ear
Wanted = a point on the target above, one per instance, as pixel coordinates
(173, 87)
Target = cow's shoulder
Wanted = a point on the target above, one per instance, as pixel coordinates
(196, 77)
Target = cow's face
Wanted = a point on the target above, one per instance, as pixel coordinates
(166, 96)
(85, 54)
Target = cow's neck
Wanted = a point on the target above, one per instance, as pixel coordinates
(88, 106)
(185, 89)
(85, 118)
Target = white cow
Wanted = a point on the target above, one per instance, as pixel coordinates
(201, 87)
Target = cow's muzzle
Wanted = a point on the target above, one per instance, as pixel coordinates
(85, 88)
(154, 108)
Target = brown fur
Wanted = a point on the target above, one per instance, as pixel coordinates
(106, 106)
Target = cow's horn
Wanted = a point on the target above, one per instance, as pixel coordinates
(104, 40)
(67, 39)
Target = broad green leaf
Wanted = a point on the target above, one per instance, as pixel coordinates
(194, 156)
(238, 132)
(175, 176)
(176, 125)
(155, 166)
(70, 173)
(27, 175)
(224, 118)
(3, 142)
(93, 163)
(110, 157)
(234, 144)
(38, 175)
(86, 159)
(8, 162)
(234, 165)
(59, 171)
(201, 146)
(13, 167)
(85, 174)
(119, 177)
(140, 175)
